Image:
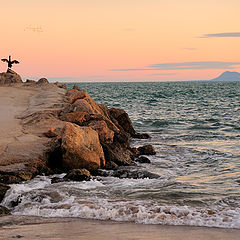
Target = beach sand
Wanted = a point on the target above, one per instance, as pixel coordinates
(33, 228)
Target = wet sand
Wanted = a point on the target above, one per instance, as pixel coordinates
(32, 228)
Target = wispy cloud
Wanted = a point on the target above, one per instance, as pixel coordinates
(184, 66)
(162, 74)
(221, 35)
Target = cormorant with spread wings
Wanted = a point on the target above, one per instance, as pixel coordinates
(9, 61)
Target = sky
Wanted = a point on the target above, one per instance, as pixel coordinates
(127, 40)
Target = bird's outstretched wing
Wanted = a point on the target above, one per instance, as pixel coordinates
(4, 60)
(15, 61)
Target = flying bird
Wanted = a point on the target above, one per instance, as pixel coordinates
(10, 62)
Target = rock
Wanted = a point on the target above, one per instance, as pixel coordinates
(3, 190)
(30, 81)
(9, 178)
(77, 117)
(10, 77)
(141, 136)
(111, 166)
(81, 148)
(118, 154)
(76, 87)
(57, 180)
(82, 105)
(42, 81)
(78, 175)
(105, 134)
(50, 133)
(143, 159)
(146, 150)
(74, 95)
(4, 211)
(135, 174)
(123, 120)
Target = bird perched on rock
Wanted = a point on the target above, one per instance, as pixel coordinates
(10, 62)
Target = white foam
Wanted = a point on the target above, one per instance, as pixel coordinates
(91, 200)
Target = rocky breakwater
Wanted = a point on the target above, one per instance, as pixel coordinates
(63, 130)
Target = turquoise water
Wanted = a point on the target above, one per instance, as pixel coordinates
(195, 129)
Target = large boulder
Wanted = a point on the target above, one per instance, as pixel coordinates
(81, 148)
(10, 77)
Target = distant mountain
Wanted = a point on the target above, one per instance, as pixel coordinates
(228, 76)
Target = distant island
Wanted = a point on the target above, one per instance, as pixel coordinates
(228, 76)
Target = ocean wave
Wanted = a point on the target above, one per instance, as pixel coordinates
(40, 198)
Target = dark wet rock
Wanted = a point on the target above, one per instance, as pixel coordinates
(118, 154)
(142, 159)
(111, 166)
(4, 211)
(141, 136)
(15, 202)
(9, 178)
(135, 174)
(78, 175)
(3, 190)
(123, 120)
(146, 150)
(58, 180)
(42, 81)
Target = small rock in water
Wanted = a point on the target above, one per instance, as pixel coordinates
(3, 190)
(136, 174)
(58, 180)
(146, 150)
(111, 165)
(4, 211)
(78, 175)
(143, 159)
(141, 136)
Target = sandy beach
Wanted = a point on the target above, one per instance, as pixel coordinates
(33, 228)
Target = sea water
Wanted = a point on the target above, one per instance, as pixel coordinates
(195, 129)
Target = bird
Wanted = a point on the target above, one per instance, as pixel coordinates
(9, 61)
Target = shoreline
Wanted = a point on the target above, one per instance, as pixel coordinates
(35, 228)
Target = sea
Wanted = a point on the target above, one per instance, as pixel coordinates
(195, 129)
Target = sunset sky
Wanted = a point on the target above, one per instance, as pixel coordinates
(127, 40)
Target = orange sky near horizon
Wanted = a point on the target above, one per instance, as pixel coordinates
(112, 40)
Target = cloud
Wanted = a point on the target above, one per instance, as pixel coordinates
(221, 35)
(184, 66)
(162, 74)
